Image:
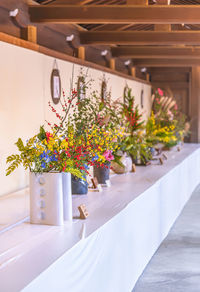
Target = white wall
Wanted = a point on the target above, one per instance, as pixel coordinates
(24, 95)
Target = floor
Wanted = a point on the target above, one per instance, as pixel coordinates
(176, 265)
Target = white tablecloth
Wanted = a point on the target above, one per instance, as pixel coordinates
(127, 223)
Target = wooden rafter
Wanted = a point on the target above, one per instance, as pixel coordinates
(156, 52)
(156, 14)
(140, 38)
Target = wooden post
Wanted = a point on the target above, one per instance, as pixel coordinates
(148, 77)
(112, 63)
(81, 53)
(195, 105)
(29, 33)
(137, 2)
(133, 71)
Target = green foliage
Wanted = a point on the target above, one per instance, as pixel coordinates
(137, 148)
(15, 161)
(42, 134)
(130, 113)
(20, 145)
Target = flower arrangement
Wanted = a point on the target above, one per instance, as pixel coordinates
(98, 121)
(130, 113)
(59, 150)
(134, 142)
(49, 152)
(167, 123)
(104, 144)
(156, 133)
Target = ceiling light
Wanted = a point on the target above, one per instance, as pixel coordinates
(70, 38)
(104, 53)
(13, 13)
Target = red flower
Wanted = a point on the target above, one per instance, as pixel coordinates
(160, 92)
(48, 135)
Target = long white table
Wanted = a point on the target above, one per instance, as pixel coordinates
(108, 251)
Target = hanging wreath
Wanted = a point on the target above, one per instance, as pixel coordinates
(81, 88)
(103, 91)
(55, 84)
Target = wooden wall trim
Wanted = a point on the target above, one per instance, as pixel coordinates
(49, 52)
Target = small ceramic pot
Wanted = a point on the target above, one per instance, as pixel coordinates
(126, 161)
(79, 186)
(102, 173)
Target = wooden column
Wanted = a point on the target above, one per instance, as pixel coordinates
(148, 77)
(133, 71)
(112, 63)
(137, 2)
(81, 53)
(29, 33)
(162, 27)
(195, 105)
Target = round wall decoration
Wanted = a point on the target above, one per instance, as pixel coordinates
(142, 99)
(103, 91)
(126, 92)
(55, 86)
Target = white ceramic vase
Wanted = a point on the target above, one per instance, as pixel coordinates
(50, 198)
(67, 196)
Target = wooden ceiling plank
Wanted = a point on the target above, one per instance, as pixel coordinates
(166, 63)
(70, 2)
(166, 14)
(156, 52)
(163, 2)
(137, 2)
(140, 38)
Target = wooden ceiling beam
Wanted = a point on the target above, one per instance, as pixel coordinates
(121, 26)
(169, 14)
(162, 27)
(140, 38)
(156, 52)
(166, 62)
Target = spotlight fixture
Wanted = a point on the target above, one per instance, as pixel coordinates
(70, 38)
(15, 19)
(127, 63)
(104, 53)
(13, 13)
(104, 56)
(144, 70)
